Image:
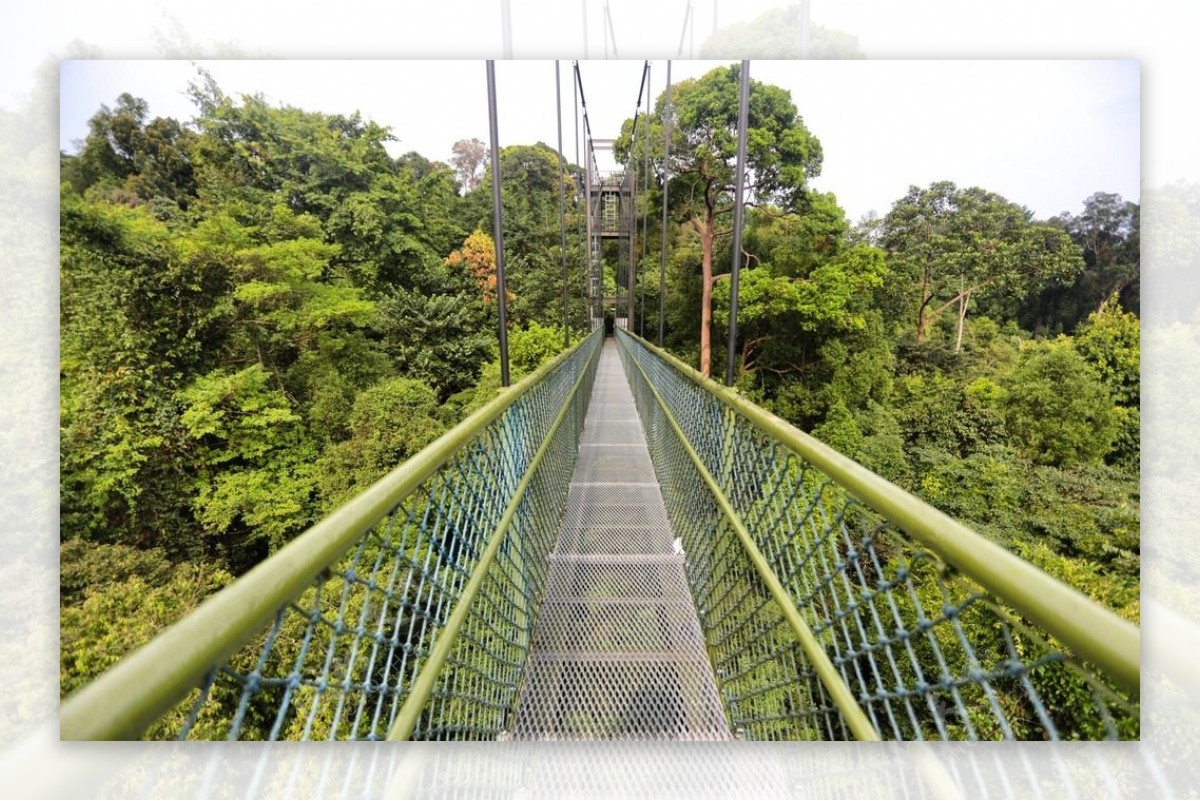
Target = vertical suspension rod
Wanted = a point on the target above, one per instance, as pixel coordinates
(498, 222)
(629, 217)
(587, 321)
(662, 269)
(738, 215)
(590, 156)
(645, 208)
(562, 202)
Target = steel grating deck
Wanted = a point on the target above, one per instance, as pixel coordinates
(617, 649)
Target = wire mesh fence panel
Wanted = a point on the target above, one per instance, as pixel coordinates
(925, 651)
(340, 659)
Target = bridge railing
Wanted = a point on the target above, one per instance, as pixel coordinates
(837, 605)
(405, 613)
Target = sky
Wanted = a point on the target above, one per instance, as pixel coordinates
(1044, 134)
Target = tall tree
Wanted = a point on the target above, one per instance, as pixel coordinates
(782, 156)
(134, 161)
(468, 157)
(1109, 232)
(954, 244)
(530, 178)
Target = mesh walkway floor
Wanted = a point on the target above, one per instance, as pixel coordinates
(617, 649)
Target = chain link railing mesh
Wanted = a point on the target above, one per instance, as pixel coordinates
(926, 653)
(339, 661)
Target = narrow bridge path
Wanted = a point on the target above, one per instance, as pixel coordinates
(617, 651)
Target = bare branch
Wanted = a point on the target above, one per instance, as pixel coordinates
(968, 291)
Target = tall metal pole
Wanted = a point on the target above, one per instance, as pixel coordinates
(585, 38)
(590, 224)
(498, 223)
(662, 269)
(579, 220)
(562, 201)
(738, 213)
(645, 208)
(630, 214)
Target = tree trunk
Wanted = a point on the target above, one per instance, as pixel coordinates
(925, 298)
(962, 316)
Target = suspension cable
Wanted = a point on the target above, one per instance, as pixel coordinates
(498, 224)
(630, 180)
(591, 166)
(562, 202)
(645, 207)
(662, 270)
(579, 219)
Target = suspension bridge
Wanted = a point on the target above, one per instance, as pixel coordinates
(617, 548)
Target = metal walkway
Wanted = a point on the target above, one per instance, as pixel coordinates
(618, 652)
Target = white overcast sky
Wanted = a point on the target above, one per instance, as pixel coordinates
(1044, 134)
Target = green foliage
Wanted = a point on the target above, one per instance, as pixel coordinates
(1059, 413)
(782, 154)
(251, 456)
(1111, 343)
(797, 244)
(530, 347)
(882, 448)
(531, 179)
(840, 431)
(117, 616)
(936, 412)
(389, 422)
(440, 339)
(134, 162)
(83, 566)
(1109, 233)
(948, 245)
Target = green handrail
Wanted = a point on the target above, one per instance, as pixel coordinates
(1094, 633)
(122, 702)
(422, 689)
(853, 714)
